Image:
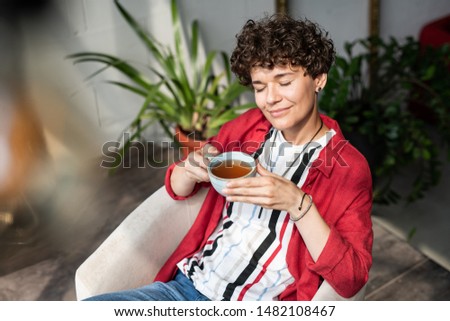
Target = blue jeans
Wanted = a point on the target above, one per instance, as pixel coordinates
(179, 289)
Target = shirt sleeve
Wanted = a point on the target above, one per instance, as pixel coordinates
(346, 258)
(169, 186)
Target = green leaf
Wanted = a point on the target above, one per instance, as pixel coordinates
(429, 73)
(355, 66)
(136, 90)
(352, 119)
(426, 154)
(226, 62)
(348, 47)
(194, 51)
(177, 31)
(341, 63)
(389, 160)
(151, 43)
(223, 118)
(411, 234)
(206, 72)
(111, 61)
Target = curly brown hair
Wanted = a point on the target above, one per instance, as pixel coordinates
(281, 40)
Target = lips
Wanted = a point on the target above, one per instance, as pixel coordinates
(278, 112)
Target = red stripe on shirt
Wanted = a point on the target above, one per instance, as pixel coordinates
(267, 263)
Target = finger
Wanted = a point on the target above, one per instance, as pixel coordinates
(261, 170)
(197, 173)
(209, 150)
(196, 159)
(265, 191)
(257, 181)
(245, 182)
(257, 200)
(198, 176)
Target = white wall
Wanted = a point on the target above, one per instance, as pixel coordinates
(345, 20)
(88, 25)
(222, 20)
(401, 18)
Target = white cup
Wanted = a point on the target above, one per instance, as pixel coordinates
(229, 166)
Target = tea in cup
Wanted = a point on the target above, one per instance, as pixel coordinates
(228, 166)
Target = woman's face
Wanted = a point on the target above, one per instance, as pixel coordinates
(287, 98)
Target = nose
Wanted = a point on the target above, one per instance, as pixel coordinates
(273, 96)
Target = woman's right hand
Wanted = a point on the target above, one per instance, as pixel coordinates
(192, 170)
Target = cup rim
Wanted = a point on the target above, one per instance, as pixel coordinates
(253, 165)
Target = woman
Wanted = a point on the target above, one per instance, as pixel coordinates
(305, 217)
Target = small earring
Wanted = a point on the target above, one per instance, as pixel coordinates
(319, 89)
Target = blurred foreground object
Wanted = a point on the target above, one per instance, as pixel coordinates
(22, 153)
(22, 145)
(48, 145)
(22, 148)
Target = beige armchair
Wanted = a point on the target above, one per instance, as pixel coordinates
(131, 256)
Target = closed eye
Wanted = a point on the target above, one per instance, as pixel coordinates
(285, 84)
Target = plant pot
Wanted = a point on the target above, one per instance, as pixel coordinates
(187, 142)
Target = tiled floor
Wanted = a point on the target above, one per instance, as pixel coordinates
(82, 209)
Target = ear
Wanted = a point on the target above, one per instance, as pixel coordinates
(321, 81)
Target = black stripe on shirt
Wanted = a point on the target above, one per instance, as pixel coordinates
(261, 147)
(209, 252)
(253, 263)
(301, 168)
(267, 242)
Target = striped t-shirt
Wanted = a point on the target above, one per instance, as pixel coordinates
(245, 257)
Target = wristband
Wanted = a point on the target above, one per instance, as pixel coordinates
(295, 219)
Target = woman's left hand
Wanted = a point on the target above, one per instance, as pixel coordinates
(267, 190)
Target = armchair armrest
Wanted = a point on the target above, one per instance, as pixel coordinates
(133, 253)
(327, 293)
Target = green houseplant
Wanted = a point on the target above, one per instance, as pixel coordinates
(376, 96)
(182, 90)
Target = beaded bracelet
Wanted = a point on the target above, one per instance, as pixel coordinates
(300, 208)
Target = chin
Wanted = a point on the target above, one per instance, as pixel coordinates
(280, 124)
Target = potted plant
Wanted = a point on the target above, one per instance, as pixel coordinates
(374, 95)
(181, 92)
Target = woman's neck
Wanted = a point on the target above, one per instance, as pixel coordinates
(304, 132)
